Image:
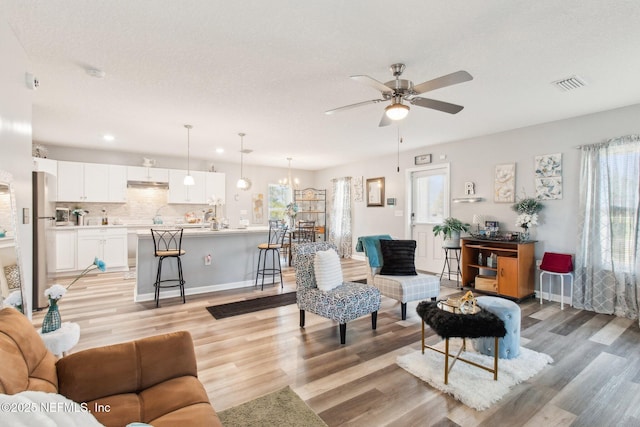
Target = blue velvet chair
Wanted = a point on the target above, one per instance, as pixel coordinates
(342, 304)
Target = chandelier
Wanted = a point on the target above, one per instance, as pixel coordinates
(288, 181)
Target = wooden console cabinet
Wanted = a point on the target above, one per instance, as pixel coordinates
(514, 270)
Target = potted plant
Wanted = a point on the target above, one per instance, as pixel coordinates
(450, 230)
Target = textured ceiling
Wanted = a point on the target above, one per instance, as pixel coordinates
(271, 68)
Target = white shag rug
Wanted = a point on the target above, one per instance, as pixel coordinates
(473, 386)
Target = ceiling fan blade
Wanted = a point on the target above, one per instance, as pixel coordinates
(444, 81)
(348, 107)
(436, 105)
(385, 120)
(370, 81)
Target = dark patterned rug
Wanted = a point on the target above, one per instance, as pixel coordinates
(249, 306)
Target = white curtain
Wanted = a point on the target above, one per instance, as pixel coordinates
(607, 265)
(340, 219)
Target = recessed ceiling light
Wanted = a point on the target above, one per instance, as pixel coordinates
(219, 150)
(108, 137)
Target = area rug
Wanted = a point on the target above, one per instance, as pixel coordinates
(281, 408)
(249, 306)
(473, 386)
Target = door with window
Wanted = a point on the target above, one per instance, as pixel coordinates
(429, 205)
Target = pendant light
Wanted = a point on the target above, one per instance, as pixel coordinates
(188, 179)
(243, 183)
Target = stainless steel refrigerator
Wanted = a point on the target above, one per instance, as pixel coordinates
(44, 189)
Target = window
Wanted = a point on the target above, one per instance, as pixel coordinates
(279, 198)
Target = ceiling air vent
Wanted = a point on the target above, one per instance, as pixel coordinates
(570, 83)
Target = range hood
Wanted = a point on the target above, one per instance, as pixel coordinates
(147, 184)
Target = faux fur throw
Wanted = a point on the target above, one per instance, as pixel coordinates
(450, 325)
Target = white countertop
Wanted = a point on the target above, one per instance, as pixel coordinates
(149, 225)
(199, 231)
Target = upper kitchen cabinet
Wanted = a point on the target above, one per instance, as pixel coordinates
(45, 165)
(215, 186)
(188, 194)
(144, 174)
(91, 182)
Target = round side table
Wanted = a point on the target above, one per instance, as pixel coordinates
(60, 341)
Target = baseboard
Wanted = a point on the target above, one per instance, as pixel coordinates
(194, 291)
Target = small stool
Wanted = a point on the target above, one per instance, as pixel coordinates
(273, 246)
(168, 244)
(557, 265)
(447, 264)
(509, 312)
(60, 341)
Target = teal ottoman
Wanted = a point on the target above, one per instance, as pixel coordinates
(509, 312)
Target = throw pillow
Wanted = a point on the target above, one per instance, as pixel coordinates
(12, 273)
(326, 266)
(398, 257)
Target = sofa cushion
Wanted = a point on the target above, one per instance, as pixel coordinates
(26, 362)
(327, 269)
(398, 257)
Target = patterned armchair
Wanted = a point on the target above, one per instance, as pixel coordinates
(342, 304)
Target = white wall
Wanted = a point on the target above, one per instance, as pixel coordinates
(474, 160)
(15, 138)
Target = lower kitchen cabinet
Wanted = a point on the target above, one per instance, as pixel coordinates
(65, 247)
(107, 244)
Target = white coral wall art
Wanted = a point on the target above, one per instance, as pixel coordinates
(548, 176)
(505, 183)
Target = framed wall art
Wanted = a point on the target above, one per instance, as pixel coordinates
(548, 176)
(375, 192)
(505, 183)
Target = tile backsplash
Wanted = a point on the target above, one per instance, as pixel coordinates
(141, 206)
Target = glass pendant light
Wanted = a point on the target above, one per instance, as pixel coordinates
(243, 183)
(188, 179)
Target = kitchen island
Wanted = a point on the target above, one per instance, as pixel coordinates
(234, 258)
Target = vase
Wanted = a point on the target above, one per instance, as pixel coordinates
(524, 235)
(52, 320)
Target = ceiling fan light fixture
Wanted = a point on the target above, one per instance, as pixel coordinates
(397, 111)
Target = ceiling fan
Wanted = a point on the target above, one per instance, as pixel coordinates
(400, 90)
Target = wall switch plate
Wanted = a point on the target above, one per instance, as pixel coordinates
(207, 260)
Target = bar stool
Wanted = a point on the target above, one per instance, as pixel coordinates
(557, 265)
(447, 263)
(168, 244)
(273, 246)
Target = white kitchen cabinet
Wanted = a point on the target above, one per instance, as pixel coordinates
(45, 165)
(107, 244)
(117, 183)
(215, 185)
(187, 194)
(143, 174)
(91, 182)
(66, 249)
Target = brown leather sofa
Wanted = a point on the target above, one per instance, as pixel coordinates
(151, 380)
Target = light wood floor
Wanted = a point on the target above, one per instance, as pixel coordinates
(595, 380)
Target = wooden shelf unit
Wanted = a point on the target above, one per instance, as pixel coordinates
(515, 268)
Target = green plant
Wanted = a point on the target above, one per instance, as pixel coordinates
(528, 205)
(450, 225)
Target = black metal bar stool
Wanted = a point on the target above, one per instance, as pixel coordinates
(168, 244)
(273, 246)
(447, 263)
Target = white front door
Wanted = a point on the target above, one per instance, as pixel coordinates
(429, 205)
